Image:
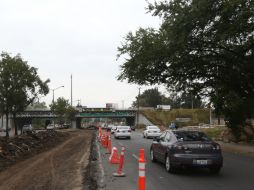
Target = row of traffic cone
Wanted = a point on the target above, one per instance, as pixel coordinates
(105, 139)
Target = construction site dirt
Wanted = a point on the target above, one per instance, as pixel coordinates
(56, 160)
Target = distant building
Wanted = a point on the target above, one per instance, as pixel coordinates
(112, 105)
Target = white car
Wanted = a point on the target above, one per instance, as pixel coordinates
(50, 127)
(151, 132)
(123, 131)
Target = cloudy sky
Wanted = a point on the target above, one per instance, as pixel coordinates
(78, 37)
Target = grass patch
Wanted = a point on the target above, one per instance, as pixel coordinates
(213, 133)
(164, 118)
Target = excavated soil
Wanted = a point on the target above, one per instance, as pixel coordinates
(45, 161)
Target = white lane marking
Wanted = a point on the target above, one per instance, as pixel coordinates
(100, 164)
(121, 144)
(135, 156)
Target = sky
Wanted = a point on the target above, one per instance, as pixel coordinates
(75, 37)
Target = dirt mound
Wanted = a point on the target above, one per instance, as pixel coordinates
(18, 148)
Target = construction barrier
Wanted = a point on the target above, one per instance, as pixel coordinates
(120, 172)
(141, 170)
(114, 158)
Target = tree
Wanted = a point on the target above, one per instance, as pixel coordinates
(70, 113)
(20, 85)
(149, 98)
(204, 47)
(38, 105)
(60, 108)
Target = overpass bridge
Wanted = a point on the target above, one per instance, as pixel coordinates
(28, 115)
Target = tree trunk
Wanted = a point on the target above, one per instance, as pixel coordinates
(15, 124)
(7, 125)
(218, 119)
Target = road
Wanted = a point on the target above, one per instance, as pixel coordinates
(237, 173)
(60, 168)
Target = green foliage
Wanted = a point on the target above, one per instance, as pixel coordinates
(149, 98)
(38, 105)
(59, 107)
(203, 47)
(20, 85)
(214, 133)
(70, 113)
(63, 109)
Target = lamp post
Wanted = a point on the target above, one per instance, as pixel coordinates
(54, 101)
(54, 93)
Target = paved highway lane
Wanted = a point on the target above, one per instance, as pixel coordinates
(237, 173)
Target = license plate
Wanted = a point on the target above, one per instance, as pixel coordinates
(200, 162)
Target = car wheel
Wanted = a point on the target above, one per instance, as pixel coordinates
(129, 137)
(169, 166)
(215, 170)
(153, 159)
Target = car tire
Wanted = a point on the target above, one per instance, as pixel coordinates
(129, 137)
(153, 159)
(215, 170)
(168, 165)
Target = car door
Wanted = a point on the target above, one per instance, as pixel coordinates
(160, 146)
(169, 140)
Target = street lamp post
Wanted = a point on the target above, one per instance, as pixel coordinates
(54, 93)
(54, 101)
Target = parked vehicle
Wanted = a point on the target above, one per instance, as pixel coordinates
(50, 127)
(178, 149)
(27, 128)
(123, 131)
(151, 132)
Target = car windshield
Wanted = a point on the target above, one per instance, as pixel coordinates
(191, 136)
(123, 127)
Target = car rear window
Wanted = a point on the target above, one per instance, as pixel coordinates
(123, 127)
(153, 128)
(191, 136)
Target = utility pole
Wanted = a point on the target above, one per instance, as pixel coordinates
(71, 90)
(138, 106)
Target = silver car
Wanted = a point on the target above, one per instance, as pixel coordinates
(27, 128)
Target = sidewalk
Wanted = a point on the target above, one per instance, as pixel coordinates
(243, 149)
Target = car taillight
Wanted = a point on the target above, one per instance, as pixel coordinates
(181, 147)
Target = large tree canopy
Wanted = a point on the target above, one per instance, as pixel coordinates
(20, 85)
(205, 47)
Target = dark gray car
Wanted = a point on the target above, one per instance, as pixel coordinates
(181, 149)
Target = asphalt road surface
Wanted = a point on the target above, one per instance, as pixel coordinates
(237, 173)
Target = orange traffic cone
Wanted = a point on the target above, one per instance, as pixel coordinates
(109, 145)
(141, 170)
(120, 172)
(103, 140)
(114, 158)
